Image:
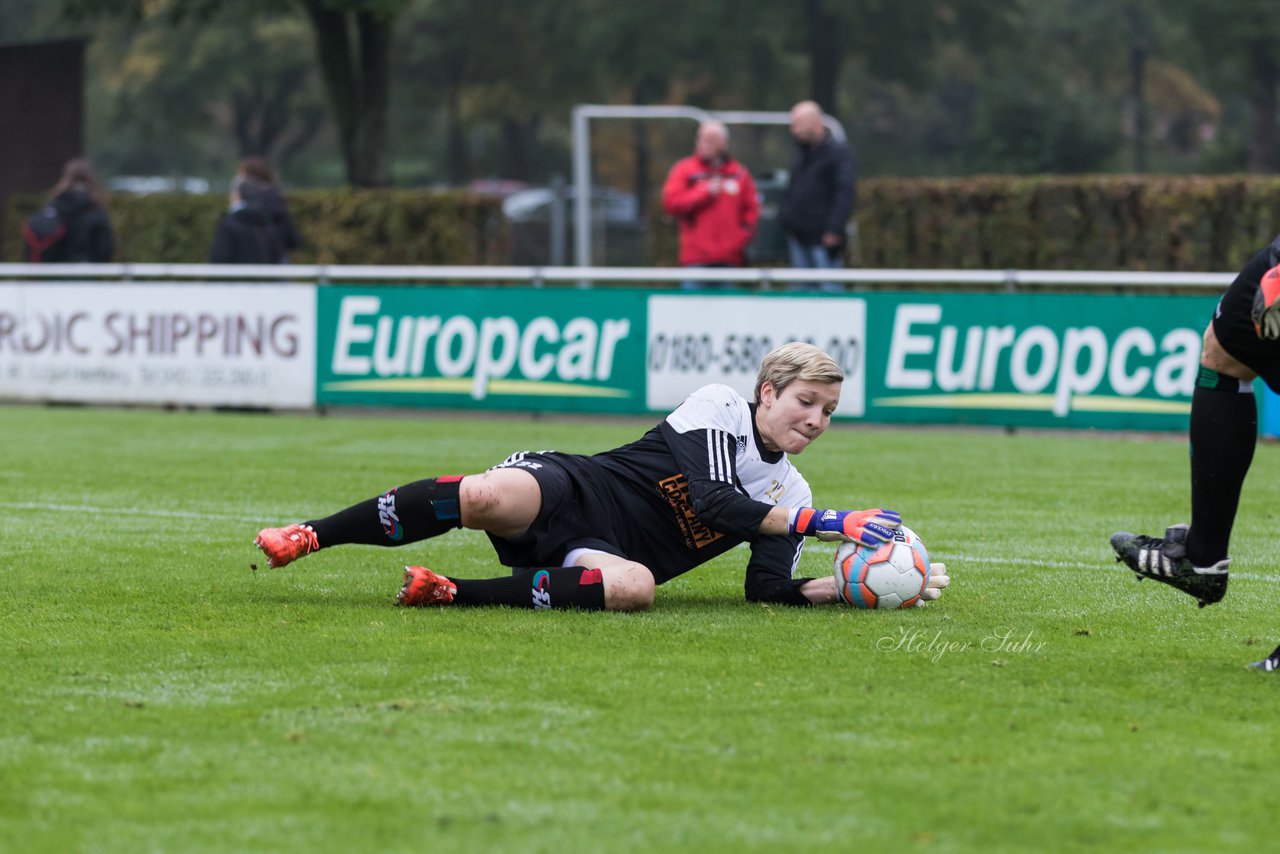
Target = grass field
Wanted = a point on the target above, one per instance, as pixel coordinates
(158, 695)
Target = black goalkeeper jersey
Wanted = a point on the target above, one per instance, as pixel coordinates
(692, 488)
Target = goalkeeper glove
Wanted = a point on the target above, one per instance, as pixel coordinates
(938, 581)
(1266, 305)
(868, 527)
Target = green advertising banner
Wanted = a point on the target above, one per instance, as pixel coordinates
(557, 350)
(1111, 361)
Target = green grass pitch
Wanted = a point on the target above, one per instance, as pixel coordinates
(158, 695)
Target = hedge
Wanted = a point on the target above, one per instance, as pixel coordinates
(337, 227)
(1111, 222)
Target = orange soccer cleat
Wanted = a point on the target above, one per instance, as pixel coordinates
(424, 587)
(283, 546)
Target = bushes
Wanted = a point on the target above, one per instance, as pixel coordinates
(337, 227)
(1077, 223)
(1111, 222)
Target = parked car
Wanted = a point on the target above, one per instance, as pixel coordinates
(143, 185)
(535, 204)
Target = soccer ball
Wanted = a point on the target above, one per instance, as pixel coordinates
(890, 575)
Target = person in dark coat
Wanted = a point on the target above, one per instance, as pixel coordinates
(273, 201)
(245, 234)
(820, 195)
(73, 227)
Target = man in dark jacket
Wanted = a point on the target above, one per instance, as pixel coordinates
(819, 198)
(245, 234)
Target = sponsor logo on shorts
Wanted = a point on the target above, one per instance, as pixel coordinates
(387, 516)
(696, 533)
(541, 590)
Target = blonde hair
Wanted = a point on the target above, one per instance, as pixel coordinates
(796, 361)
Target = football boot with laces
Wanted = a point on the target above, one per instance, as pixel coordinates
(1165, 560)
(283, 546)
(1270, 663)
(424, 587)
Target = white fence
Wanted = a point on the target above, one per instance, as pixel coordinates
(761, 278)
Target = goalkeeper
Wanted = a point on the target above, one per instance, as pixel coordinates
(1241, 342)
(599, 532)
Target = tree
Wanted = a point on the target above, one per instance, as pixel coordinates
(352, 47)
(891, 40)
(253, 80)
(1237, 39)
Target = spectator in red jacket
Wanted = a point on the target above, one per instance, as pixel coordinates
(713, 197)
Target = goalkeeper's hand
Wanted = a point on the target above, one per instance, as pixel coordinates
(1266, 305)
(938, 581)
(868, 527)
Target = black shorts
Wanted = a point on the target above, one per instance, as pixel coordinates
(1233, 325)
(574, 513)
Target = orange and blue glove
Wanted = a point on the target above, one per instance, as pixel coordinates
(867, 527)
(1266, 305)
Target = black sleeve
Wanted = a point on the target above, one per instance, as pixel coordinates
(844, 182)
(769, 572)
(707, 458)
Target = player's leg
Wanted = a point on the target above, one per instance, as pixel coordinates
(1270, 664)
(798, 254)
(628, 586)
(595, 582)
(1223, 435)
(506, 499)
(502, 501)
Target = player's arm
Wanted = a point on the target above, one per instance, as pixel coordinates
(707, 458)
(769, 575)
(701, 438)
(774, 560)
(868, 527)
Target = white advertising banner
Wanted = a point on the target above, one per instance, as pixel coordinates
(696, 340)
(198, 344)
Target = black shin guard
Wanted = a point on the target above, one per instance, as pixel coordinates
(406, 514)
(554, 587)
(1224, 431)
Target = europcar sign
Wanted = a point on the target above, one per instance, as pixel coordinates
(508, 348)
(1015, 359)
(1046, 360)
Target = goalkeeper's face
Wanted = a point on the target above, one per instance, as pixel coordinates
(790, 419)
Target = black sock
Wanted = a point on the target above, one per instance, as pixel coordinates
(406, 514)
(554, 587)
(1224, 431)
